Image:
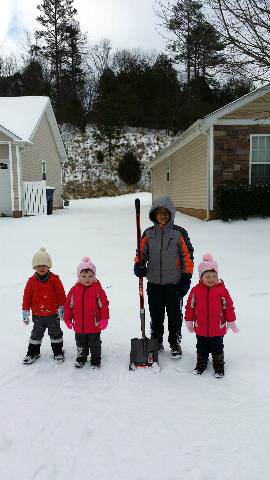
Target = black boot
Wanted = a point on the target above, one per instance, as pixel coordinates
(201, 365)
(58, 353)
(33, 353)
(95, 363)
(218, 364)
(80, 361)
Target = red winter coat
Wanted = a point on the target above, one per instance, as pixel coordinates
(210, 308)
(44, 298)
(86, 306)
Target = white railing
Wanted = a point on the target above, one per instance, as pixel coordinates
(34, 198)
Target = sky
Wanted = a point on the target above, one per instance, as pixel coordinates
(127, 23)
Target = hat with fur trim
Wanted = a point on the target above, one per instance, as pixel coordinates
(42, 258)
(85, 265)
(207, 264)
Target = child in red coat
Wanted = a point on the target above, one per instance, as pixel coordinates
(209, 311)
(87, 312)
(45, 296)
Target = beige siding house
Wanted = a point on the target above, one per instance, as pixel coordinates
(231, 145)
(31, 150)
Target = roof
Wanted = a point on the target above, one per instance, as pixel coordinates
(201, 125)
(20, 117)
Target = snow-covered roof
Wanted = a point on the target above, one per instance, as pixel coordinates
(20, 117)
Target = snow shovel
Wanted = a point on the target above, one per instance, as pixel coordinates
(144, 351)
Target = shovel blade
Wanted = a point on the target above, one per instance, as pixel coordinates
(144, 352)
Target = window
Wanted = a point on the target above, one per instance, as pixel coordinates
(43, 170)
(168, 171)
(3, 166)
(260, 159)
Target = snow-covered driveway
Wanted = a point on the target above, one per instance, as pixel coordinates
(60, 423)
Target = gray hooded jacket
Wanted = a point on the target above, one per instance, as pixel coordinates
(167, 250)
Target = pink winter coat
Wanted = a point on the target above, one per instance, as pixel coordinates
(87, 307)
(210, 308)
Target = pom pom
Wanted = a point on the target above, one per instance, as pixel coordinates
(207, 257)
(42, 249)
(86, 259)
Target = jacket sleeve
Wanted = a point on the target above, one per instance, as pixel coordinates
(60, 292)
(144, 244)
(27, 296)
(186, 254)
(190, 307)
(104, 309)
(68, 308)
(229, 312)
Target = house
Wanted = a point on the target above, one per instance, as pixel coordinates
(231, 145)
(31, 154)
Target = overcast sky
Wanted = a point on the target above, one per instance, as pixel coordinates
(127, 23)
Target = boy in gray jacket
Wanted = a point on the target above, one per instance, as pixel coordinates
(167, 262)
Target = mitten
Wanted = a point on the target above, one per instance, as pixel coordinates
(184, 284)
(26, 316)
(103, 323)
(189, 325)
(140, 270)
(233, 327)
(61, 313)
(69, 324)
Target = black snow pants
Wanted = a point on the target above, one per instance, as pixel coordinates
(206, 345)
(51, 322)
(86, 342)
(161, 297)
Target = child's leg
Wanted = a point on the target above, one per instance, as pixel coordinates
(82, 346)
(174, 313)
(217, 349)
(36, 336)
(202, 354)
(94, 342)
(56, 334)
(156, 302)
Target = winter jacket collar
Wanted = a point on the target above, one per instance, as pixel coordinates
(42, 278)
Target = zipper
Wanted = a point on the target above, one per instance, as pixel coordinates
(161, 248)
(207, 303)
(83, 311)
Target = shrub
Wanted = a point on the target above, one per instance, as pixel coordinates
(129, 169)
(100, 156)
(242, 201)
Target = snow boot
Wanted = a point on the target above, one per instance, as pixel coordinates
(218, 364)
(80, 362)
(95, 363)
(200, 365)
(33, 353)
(58, 353)
(176, 351)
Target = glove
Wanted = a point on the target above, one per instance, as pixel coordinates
(184, 284)
(26, 316)
(140, 270)
(69, 324)
(189, 325)
(61, 313)
(233, 327)
(103, 323)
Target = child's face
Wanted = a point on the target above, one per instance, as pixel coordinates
(87, 277)
(162, 215)
(209, 278)
(42, 269)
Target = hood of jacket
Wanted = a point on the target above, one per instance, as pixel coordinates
(164, 202)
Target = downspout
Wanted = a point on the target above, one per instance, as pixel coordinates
(209, 134)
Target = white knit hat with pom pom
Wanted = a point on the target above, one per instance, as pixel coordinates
(42, 258)
(85, 265)
(207, 264)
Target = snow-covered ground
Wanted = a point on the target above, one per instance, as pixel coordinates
(58, 422)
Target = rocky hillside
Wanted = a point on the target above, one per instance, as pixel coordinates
(88, 174)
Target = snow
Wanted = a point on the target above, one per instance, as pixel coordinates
(20, 115)
(58, 422)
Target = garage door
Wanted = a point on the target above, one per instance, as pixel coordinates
(5, 197)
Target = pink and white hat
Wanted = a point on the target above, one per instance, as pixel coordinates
(207, 264)
(84, 265)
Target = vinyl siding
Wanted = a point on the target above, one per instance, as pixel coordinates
(4, 137)
(188, 186)
(43, 149)
(259, 108)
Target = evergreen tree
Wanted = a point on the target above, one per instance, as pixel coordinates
(129, 169)
(34, 82)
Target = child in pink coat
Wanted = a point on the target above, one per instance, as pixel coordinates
(87, 312)
(209, 311)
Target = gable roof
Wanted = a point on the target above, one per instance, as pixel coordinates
(20, 118)
(201, 125)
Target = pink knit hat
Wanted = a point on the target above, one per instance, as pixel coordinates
(84, 265)
(207, 264)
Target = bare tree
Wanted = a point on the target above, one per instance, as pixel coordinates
(98, 60)
(245, 26)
